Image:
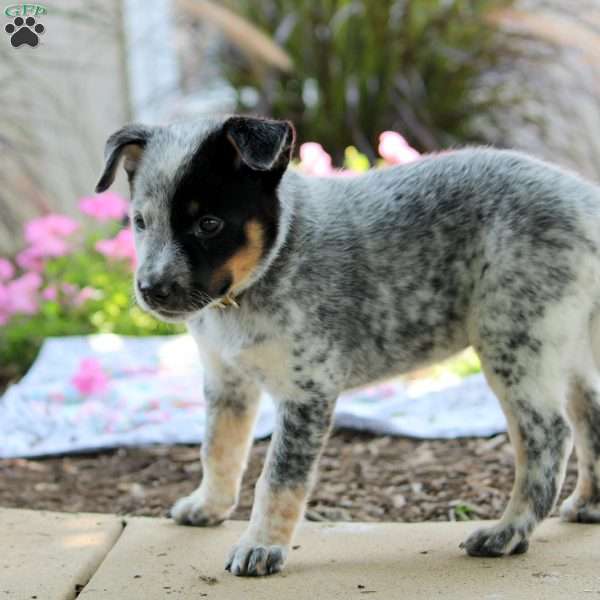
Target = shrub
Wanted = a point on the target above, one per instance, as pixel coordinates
(71, 279)
(362, 66)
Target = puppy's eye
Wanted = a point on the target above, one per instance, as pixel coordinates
(208, 226)
(138, 221)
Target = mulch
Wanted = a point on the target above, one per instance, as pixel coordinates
(363, 477)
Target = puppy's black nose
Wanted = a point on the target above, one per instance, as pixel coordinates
(156, 291)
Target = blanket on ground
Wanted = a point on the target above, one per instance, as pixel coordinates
(151, 393)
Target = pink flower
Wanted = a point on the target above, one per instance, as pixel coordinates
(90, 378)
(49, 247)
(68, 289)
(395, 149)
(50, 226)
(21, 295)
(50, 293)
(85, 294)
(314, 160)
(5, 311)
(104, 207)
(120, 247)
(6, 269)
(30, 259)
(46, 237)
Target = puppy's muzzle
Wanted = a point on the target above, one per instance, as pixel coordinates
(159, 293)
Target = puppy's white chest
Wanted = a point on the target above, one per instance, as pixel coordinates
(268, 362)
(262, 358)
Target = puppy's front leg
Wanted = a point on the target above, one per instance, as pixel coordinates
(231, 412)
(283, 486)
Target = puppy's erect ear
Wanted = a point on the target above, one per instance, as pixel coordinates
(261, 144)
(128, 142)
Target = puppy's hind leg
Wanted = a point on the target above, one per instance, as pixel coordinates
(584, 412)
(532, 401)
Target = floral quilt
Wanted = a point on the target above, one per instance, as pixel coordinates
(103, 391)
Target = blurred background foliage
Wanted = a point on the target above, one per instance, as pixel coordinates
(79, 290)
(111, 310)
(363, 66)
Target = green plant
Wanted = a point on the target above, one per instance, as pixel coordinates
(464, 512)
(109, 310)
(364, 66)
(69, 280)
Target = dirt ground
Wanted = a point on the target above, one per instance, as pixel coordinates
(363, 477)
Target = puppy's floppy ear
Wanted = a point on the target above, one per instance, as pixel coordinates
(128, 142)
(261, 144)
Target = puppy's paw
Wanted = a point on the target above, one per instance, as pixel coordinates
(496, 541)
(579, 510)
(194, 510)
(249, 559)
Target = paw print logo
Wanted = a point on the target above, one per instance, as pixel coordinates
(24, 32)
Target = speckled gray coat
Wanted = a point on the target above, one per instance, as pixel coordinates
(344, 280)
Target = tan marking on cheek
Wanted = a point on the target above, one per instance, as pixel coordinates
(280, 511)
(242, 264)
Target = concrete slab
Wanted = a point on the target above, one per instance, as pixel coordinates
(51, 556)
(155, 559)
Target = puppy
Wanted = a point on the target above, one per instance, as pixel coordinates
(306, 286)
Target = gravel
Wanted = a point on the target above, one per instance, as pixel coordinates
(363, 477)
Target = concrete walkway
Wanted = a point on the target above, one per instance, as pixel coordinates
(50, 556)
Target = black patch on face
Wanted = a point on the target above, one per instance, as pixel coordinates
(234, 193)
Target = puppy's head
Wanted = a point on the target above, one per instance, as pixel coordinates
(204, 206)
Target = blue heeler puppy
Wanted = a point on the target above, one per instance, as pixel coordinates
(306, 286)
